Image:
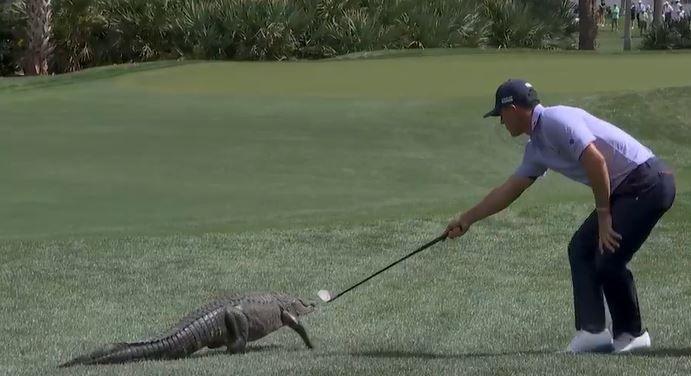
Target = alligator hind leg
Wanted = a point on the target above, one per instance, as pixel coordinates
(237, 330)
(293, 323)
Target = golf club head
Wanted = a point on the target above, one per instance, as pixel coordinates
(324, 295)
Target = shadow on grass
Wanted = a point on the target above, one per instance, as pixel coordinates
(391, 354)
(207, 353)
(222, 352)
(667, 352)
(19, 83)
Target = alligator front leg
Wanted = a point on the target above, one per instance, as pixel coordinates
(293, 323)
(237, 330)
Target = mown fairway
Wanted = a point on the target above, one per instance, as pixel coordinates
(132, 195)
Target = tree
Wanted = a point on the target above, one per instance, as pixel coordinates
(627, 25)
(38, 29)
(657, 12)
(587, 24)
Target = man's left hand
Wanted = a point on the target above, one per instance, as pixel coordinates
(608, 239)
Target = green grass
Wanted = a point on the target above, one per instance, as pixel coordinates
(131, 196)
(242, 146)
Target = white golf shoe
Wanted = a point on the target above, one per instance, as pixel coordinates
(585, 342)
(626, 342)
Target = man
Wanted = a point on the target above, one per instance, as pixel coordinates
(608, 14)
(632, 190)
(675, 12)
(615, 18)
(601, 14)
(640, 9)
(646, 19)
(667, 10)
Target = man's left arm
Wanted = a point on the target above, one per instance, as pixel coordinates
(573, 137)
(596, 168)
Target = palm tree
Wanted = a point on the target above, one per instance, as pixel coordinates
(587, 25)
(38, 30)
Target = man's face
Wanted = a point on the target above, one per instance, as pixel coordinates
(510, 117)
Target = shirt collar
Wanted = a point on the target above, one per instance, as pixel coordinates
(537, 113)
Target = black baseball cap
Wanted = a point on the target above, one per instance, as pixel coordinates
(516, 92)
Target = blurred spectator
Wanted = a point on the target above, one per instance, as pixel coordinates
(615, 18)
(667, 9)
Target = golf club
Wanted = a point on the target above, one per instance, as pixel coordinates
(326, 296)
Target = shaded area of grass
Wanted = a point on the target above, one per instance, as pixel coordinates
(104, 72)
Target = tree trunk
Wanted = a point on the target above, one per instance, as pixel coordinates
(627, 25)
(657, 12)
(38, 29)
(586, 24)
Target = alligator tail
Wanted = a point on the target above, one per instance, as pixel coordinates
(124, 352)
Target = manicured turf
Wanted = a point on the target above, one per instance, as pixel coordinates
(242, 146)
(132, 195)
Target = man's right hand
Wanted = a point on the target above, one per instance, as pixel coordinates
(457, 227)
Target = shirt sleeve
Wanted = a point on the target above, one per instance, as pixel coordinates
(570, 136)
(530, 167)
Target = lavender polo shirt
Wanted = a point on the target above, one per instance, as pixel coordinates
(561, 133)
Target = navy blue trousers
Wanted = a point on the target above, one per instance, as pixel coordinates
(636, 206)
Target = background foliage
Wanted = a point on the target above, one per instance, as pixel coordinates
(96, 32)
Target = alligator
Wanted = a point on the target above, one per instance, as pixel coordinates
(231, 321)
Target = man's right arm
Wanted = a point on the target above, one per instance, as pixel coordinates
(497, 200)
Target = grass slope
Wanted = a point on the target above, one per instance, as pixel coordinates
(130, 199)
(242, 146)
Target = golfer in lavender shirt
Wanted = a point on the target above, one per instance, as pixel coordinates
(632, 189)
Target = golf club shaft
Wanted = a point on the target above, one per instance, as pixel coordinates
(433, 242)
